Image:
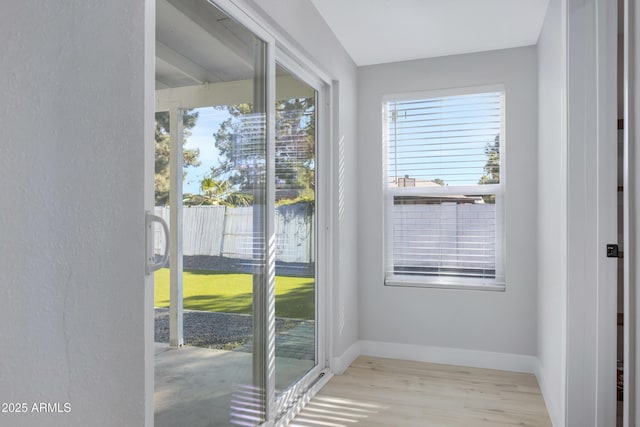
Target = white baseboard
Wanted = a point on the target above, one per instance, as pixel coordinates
(341, 363)
(552, 406)
(444, 355)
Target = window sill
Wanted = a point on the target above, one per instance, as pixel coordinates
(459, 283)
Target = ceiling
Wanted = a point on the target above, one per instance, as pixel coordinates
(380, 31)
(197, 43)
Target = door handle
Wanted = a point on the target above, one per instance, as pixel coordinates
(151, 263)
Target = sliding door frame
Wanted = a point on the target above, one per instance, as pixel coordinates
(280, 51)
(292, 399)
(276, 50)
(263, 298)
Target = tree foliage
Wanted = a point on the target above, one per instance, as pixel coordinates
(241, 154)
(218, 193)
(227, 140)
(295, 149)
(492, 167)
(162, 146)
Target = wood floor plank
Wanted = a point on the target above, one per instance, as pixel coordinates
(387, 392)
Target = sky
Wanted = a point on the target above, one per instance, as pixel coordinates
(207, 125)
(443, 138)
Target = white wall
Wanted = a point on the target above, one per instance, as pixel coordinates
(552, 210)
(498, 322)
(632, 208)
(591, 212)
(71, 169)
(307, 30)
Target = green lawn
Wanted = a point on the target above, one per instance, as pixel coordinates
(231, 293)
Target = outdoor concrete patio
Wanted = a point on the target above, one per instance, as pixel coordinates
(198, 386)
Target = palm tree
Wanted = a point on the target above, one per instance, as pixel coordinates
(221, 193)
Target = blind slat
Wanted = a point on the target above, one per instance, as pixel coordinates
(444, 141)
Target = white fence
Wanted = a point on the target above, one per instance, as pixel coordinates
(228, 232)
(448, 235)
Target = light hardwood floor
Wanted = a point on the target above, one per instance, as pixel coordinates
(387, 392)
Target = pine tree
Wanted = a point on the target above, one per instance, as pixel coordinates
(294, 151)
(492, 167)
(162, 146)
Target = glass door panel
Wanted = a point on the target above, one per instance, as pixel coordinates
(211, 75)
(295, 228)
(236, 310)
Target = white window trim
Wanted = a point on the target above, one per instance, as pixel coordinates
(446, 282)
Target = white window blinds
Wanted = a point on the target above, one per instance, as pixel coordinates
(444, 191)
(445, 139)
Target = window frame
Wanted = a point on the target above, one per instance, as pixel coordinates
(434, 281)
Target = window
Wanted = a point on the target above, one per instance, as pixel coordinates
(444, 191)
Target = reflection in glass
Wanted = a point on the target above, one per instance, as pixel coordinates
(210, 71)
(295, 219)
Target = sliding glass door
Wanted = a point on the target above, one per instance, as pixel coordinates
(295, 216)
(212, 183)
(237, 308)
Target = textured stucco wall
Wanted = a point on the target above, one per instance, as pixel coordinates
(72, 224)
